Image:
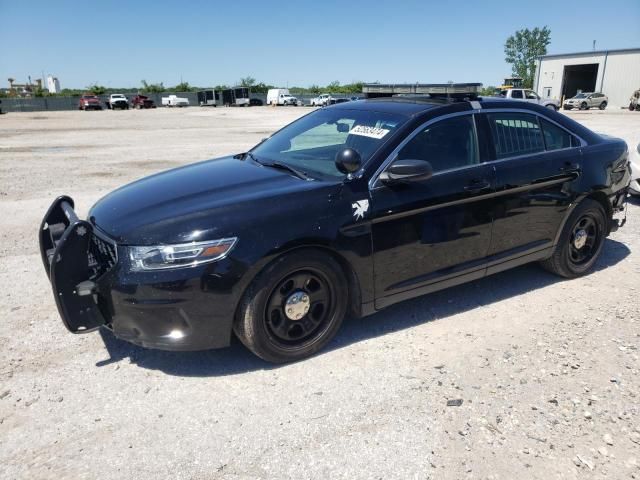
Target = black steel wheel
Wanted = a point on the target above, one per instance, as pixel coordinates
(580, 242)
(293, 307)
(584, 106)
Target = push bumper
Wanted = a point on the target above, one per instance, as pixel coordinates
(93, 287)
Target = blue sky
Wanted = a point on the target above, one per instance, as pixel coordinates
(118, 43)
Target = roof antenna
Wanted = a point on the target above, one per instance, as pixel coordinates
(594, 45)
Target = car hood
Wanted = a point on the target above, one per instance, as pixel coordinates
(201, 201)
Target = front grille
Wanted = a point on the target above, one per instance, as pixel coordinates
(102, 256)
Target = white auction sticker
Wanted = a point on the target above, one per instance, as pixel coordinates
(371, 132)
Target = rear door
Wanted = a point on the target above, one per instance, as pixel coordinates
(535, 161)
(439, 229)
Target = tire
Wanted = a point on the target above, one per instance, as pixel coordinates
(631, 107)
(567, 260)
(264, 327)
(584, 106)
(602, 106)
(551, 106)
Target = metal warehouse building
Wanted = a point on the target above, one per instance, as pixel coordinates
(616, 73)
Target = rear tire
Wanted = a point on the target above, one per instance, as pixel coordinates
(580, 242)
(263, 321)
(603, 105)
(551, 106)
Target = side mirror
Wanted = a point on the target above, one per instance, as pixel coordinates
(638, 148)
(406, 171)
(348, 160)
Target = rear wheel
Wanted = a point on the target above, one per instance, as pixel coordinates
(293, 308)
(581, 241)
(551, 106)
(603, 105)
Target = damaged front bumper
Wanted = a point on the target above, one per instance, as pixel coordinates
(185, 309)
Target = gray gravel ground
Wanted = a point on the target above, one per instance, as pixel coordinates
(547, 369)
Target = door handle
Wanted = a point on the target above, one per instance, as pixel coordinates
(570, 168)
(477, 186)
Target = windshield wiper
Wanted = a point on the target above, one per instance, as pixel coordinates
(279, 165)
(283, 166)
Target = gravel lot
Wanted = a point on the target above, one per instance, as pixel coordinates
(548, 370)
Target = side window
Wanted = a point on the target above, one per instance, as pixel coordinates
(516, 94)
(531, 95)
(515, 134)
(555, 137)
(446, 144)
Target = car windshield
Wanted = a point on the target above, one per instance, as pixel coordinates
(311, 143)
(581, 95)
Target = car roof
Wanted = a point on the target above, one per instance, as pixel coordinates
(399, 105)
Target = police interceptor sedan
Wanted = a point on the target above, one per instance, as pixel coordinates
(345, 211)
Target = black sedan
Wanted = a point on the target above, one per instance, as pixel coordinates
(345, 211)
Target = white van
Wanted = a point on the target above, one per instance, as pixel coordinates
(280, 96)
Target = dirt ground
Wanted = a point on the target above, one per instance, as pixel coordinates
(548, 370)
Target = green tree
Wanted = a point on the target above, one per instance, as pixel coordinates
(247, 81)
(152, 87)
(523, 48)
(97, 89)
(333, 86)
(488, 91)
(182, 87)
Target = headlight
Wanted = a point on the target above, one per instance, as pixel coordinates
(161, 257)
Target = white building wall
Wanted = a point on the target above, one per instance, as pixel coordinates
(621, 77)
(53, 85)
(618, 74)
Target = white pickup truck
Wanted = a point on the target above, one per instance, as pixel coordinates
(175, 101)
(530, 96)
(117, 100)
(322, 100)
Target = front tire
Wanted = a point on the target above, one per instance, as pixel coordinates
(584, 106)
(293, 308)
(580, 242)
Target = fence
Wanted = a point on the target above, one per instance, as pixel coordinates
(37, 104)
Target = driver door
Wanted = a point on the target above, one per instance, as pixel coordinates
(437, 230)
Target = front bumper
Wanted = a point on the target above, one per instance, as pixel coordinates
(181, 309)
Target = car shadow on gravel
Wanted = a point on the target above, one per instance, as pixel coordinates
(436, 306)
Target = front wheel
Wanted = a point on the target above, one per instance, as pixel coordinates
(580, 242)
(293, 308)
(584, 106)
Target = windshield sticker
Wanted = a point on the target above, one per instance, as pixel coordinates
(371, 132)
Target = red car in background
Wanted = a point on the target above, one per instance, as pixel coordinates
(89, 102)
(142, 101)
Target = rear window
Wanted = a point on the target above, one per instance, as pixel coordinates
(515, 134)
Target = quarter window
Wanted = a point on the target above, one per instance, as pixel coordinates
(555, 137)
(515, 134)
(446, 144)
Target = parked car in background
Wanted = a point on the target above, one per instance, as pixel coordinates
(346, 211)
(528, 95)
(322, 100)
(175, 101)
(281, 96)
(634, 101)
(142, 101)
(89, 102)
(586, 100)
(117, 101)
(634, 186)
